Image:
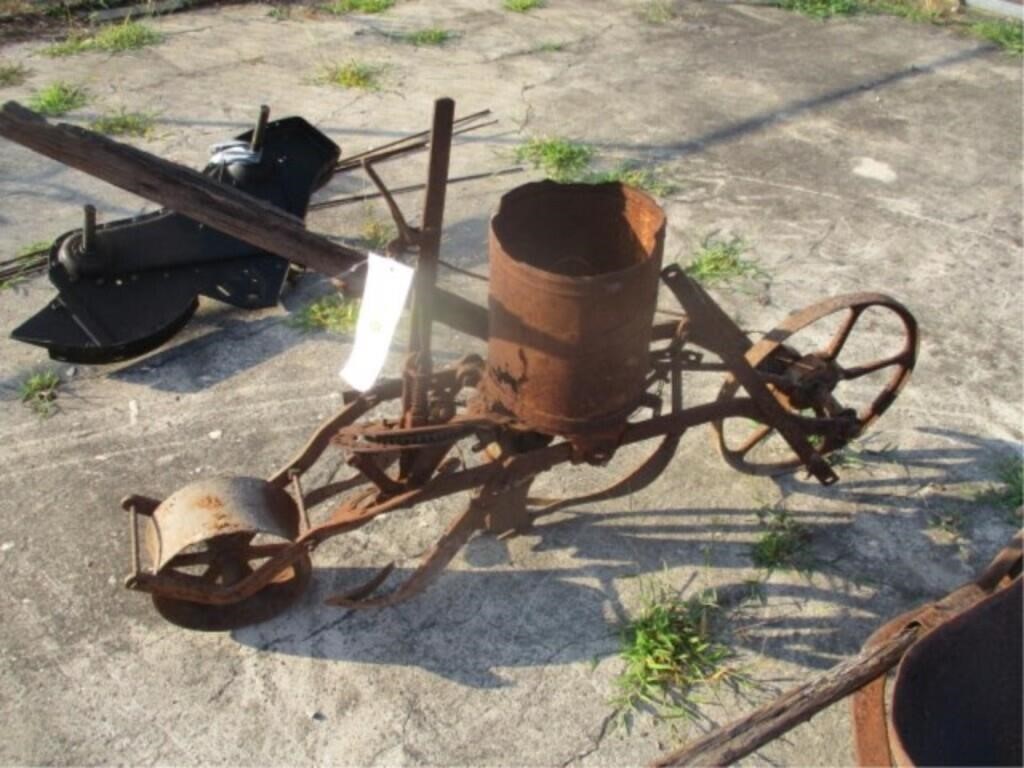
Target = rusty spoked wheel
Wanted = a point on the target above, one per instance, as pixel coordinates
(224, 561)
(848, 378)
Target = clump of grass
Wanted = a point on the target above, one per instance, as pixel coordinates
(522, 6)
(784, 543)
(657, 11)
(1008, 35)
(821, 9)
(1008, 493)
(118, 38)
(352, 74)
(342, 7)
(39, 392)
(280, 12)
(58, 99)
(949, 521)
(124, 123)
(12, 74)
(641, 178)
(718, 260)
(33, 249)
(31, 258)
(668, 649)
(376, 234)
(550, 47)
(911, 10)
(856, 454)
(428, 36)
(560, 159)
(333, 313)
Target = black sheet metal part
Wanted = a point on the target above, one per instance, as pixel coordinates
(140, 280)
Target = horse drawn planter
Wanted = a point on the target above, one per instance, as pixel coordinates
(575, 367)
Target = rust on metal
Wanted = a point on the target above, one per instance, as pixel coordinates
(956, 699)
(574, 282)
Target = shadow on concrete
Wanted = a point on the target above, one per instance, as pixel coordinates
(471, 623)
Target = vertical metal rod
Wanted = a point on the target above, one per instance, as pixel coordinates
(256, 144)
(426, 264)
(89, 229)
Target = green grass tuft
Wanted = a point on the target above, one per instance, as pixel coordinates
(428, 36)
(718, 261)
(376, 234)
(658, 11)
(905, 10)
(549, 47)
(280, 12)
(39, 392)
(33, 249)
(342, 7)
(352, 75)
(124, 123)
(1008, 493)
(784, 543)
(821, 9)
(668, 649)
(522, 6)
(31, 258)
(333, 313)
(641, 178)
(949, 521)
(1008, 35)
(118, 38)
(58, 99)
(12, 74)
(560, 159)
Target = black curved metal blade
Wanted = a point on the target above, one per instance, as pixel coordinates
(142, 279)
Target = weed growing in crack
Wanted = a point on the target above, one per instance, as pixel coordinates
(522, 6)
(1008, 492)
(351, 75)
(12, 74)
(719, 260)
(669, 649)
(333, 313)
(124, 123)
(785, 542)
(58, 99)
(646, 179)
(118, 38)
(343, 7)
(821, 9)
(39, 392)
(434, 36)
(560, 159)
(658, 11)
(376, 234)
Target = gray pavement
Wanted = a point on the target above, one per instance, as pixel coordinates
(865, 154)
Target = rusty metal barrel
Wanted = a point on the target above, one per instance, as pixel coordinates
(573, 288)
(957, 698)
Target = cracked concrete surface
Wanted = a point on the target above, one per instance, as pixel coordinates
(865, 154)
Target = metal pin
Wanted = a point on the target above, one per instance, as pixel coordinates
(89, 229)
(261, 126)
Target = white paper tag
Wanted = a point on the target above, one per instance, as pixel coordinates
(387, 286)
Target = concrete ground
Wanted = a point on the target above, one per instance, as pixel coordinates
(853, 155)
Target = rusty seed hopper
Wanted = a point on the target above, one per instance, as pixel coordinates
(574, 281)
